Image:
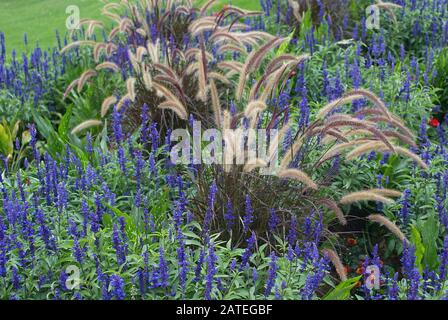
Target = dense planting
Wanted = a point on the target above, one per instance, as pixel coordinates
(355, 207)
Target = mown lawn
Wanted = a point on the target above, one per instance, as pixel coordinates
(40, 19)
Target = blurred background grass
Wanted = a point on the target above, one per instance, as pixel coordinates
(40, 19)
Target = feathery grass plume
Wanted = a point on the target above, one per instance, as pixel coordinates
(202, 75)
(337, 103)
(70, 87)
(215, 103)
(232, 65)
(400, 137)
(110, 48)
(255, 36)
(141, 52)
(219, 77)
(176, 106)
(295, 10)
(135, 64)
(86, 124)
(141, 32)
(223, 36)
(172, 81)
(346, 117)
(252, 165)
(122, 101)
(147, 79)
(364, 148)
(130, 84)
(193, 53)
(254, 107)
(289, 155)
(165, 69)
(106, 105)
(392, 227)
(284, 58)
(381, 136)
(379, 146)
(333, 206)
(387, 192)
(366, 195)
(334, 258)
(153, 50)
(125, 24)
(202, 25)
(298, 175)
(366, 111)
(80, 25)
(358, 132)
(408, 153)
(372, 98)
(113, 33)
(163, 91)
(231, 47)
(256, 87)
(77, 44)
(113, 16)
(273, 81)
(227, 119)
(339, 117)
(338, 149)
(395, 122)
(107, 65)
(85, 77)
(360, 124)
(97, 51)
(92, 25)
(334, 135)
(205, 7)
(111, 5)
(253, 61)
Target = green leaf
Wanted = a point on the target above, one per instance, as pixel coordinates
(282, 49)
(64, 126)
(342, 290)
(130, 225)
(6, 144)
(430, 231)
(416, 240)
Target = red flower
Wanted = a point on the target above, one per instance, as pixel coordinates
(434, 122)
(351, 241)
(360, 270)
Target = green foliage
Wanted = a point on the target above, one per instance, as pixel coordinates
(342, 290)
(7, 137)
(440, 80)
(429, 229)
(416, 240)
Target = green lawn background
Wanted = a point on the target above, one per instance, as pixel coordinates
(40, 19)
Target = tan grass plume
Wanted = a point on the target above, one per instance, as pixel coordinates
(86, 124)
(334, 258)
(392, 227)
(366, 195)
(298, 175)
